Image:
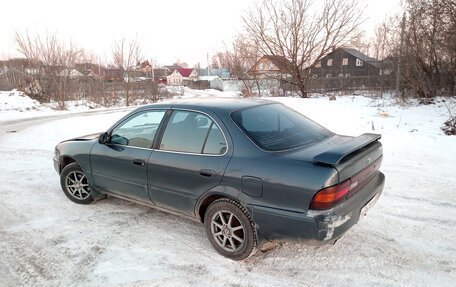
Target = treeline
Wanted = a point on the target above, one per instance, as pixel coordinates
(53, 70)
(419, 43)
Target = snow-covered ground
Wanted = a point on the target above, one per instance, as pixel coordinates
(407, 239)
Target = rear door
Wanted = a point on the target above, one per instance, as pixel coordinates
(191, 159)
(120, 166)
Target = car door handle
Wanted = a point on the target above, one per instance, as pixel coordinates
(139, 162)
(207, 172)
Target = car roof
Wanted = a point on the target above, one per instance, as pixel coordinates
(215, 104)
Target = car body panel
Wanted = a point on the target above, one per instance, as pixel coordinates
(177, 180)
(115, 169)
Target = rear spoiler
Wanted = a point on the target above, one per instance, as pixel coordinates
(335, 155)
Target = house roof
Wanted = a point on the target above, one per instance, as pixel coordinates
(171, 68)
(279, 61)
(185, 72)
(361, 56)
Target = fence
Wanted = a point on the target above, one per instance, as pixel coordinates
(47, 88)
(380, 83)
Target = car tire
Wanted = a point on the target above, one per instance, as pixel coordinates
(75, 185)
(230, 229)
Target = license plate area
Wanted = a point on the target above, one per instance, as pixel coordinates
(368, 206)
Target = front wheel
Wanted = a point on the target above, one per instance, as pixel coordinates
(230, 229)
(75, 185)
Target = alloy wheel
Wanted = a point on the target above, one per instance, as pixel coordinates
(227, 231)
(76, 184)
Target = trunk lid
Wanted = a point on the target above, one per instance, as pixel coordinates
(358, 157)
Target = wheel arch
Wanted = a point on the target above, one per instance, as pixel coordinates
(64, 161)
(206, 201)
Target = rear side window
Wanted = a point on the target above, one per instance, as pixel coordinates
(215, 143)
(192, 132)
(275, 127)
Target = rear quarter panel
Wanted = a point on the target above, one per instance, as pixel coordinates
(288, 185)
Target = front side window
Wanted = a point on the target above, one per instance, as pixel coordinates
(192, 132)
(329, 63)
(275, 127)
(345, 61)
(138, 130)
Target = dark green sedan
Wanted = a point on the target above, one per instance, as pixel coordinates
(251, 170)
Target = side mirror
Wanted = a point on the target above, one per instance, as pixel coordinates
(103, 138)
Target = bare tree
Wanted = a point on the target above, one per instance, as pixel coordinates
(238, 59)
(57, 59)
(302, 31)
(430, 47)
(126, 54)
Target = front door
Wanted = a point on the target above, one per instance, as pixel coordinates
(120, 166)
(191, 159)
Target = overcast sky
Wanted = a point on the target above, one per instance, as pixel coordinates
(167, 30)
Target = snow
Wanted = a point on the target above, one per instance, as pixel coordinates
(406, 239)
(185, 92)
(208, 78)
(16, 101)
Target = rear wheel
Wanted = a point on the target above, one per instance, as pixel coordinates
(75, 185)
(230, 229)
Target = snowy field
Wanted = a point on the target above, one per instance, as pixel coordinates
(407, 239)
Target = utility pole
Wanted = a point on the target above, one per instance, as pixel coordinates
(399, 62)
(152, 68)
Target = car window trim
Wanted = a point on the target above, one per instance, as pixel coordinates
(161, 129)
(172, 110)
(207, 136)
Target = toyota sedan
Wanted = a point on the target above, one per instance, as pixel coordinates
(251, 171)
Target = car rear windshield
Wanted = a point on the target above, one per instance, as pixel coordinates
(275, 127)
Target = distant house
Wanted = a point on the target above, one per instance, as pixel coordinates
(271, 66)
(89, 69)
(180, 75)
(160, 74)
(144, 66)
(221, 73)
(112, 75)
(21, 64)
(135, 76)
(389, 66)
(70, 72)
(171, 68)
(345, 62)
(13, 78)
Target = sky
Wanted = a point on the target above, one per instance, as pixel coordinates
(168, 30)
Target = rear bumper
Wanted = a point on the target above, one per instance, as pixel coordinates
(316, 227)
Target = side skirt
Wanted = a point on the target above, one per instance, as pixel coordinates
(152, 205)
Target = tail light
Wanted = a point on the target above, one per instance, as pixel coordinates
(330, 196)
